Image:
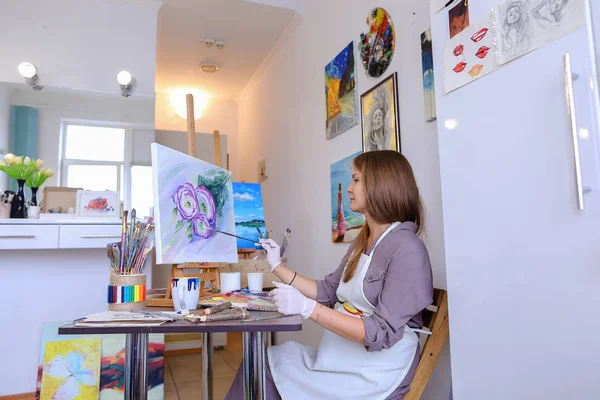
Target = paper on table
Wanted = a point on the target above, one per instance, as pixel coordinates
(522, 26)
(119, 317)
(469, 55)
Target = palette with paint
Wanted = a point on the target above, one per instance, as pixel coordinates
(259, 301)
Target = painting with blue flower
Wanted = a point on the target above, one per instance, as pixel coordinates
(192, 201)
(249, 212)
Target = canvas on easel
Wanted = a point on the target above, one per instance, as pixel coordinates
(249, 213)
(193, 200)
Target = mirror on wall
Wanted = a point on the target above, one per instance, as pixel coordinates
(80, 96)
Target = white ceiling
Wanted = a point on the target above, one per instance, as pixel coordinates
(249, 28)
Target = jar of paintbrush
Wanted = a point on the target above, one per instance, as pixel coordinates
(127, 287)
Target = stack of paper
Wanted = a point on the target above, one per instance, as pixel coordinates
(120, 318)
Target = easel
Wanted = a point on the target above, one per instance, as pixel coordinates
(211, 272)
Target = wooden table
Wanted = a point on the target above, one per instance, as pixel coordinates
(136, 349)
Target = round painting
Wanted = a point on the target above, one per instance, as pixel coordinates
(377, 46)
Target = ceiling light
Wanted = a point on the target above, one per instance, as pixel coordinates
(29, 72)
(124, 78)
(209, 67)
(179, 102)
(126, 82)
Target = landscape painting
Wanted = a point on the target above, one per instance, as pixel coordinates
(345, 223)
(193, 201)
(249, 213)
(340, 93)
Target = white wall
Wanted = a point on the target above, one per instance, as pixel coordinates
(5, 94)
(283, 119)
(57, 105)
(215, 114)
(80, 44)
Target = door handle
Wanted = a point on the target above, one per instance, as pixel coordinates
(17, 236)
(100, 236)
(570, 96)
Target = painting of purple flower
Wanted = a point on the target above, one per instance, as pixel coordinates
(186, 201)
(192, 200)
(206, 202)
(200, 227)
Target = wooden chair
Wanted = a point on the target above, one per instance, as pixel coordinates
(435, 318)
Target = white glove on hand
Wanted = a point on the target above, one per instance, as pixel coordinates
(273, 252)
(290, 301)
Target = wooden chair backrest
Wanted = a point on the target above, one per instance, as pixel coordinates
(436, 319)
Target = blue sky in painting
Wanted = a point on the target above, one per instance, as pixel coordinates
(247, 206)
(336, 68)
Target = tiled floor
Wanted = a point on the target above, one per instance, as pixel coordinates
(183, 371)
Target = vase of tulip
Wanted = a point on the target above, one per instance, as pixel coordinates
(21, 169)
(37, 179)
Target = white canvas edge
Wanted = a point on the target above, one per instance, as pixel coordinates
(157, 228)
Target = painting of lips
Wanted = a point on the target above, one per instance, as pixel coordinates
(479, 35)
(460, 67)
(482, 52)
(458, 50)
(476, 70)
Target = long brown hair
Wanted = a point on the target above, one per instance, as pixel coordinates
(392, 195)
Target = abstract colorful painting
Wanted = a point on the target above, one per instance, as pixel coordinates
(469, 55)
(428, 80)
(71, 370)
(340, 92)
(379, 114)
(345, 223)
(249, 213)
(377, 46)
(112, 360)
(458, 18)
(193, 200)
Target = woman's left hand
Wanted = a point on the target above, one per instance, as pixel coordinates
(290, 301)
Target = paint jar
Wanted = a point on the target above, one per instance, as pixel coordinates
(230, 281)
(127, 292)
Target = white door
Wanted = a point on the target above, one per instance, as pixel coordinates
(523, 261)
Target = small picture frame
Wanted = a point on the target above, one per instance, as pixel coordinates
(92, 204)
(379, 116)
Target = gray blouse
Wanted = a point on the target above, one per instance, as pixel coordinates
(398, 282)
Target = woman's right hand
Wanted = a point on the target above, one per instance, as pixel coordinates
(273, 252)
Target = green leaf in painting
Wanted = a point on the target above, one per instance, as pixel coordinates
(175, 212)
(188, 228)
(178, 226)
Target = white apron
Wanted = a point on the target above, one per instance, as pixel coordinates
(341, 368)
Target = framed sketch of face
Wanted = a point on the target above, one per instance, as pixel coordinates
(379, 116)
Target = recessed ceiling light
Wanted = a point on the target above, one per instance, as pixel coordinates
(209, 67)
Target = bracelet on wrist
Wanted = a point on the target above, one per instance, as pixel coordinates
(295, 273)
(318, 313)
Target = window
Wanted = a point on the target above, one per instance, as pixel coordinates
(109, 157)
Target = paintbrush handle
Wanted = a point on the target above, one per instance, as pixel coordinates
(231, 234)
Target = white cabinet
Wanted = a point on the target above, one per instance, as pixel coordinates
(88, 236)
(70, 234)
(19, 237)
